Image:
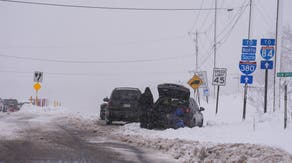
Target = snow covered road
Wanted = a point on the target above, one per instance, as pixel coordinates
(62, 137)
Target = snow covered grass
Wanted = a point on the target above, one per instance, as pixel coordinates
(224, 128)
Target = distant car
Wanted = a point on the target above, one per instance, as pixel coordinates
(102, 110)
(1, 105)
(174, 109)
(10, 105)
(123, 105)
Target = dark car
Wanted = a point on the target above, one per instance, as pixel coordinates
(102, 110)
(10, 105)
(123, 105)
(1, 105)
(174, 108)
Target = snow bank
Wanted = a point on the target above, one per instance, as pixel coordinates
(226, 129)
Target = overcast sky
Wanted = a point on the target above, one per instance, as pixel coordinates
(119, 47)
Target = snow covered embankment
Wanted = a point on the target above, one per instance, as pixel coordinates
(224, 137)
(194, 151)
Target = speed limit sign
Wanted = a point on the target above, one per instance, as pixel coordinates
(219, 76)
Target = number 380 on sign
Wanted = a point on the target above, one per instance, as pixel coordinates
(247, 67)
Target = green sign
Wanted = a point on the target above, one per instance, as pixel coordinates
(284, 74)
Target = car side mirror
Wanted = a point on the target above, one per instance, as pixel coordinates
(106, 99)
(202, 109)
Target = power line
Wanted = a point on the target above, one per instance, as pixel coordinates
(109, 8)
(225, 37)
(94, 74)
(95, 62)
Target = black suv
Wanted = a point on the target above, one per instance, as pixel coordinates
(123, 105)
(174, 109)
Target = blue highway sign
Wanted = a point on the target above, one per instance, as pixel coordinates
(248, 57)
(268, 42)
(267, 52)
(246, 79)
(247, 67)
(247, 42)
(249, 50)
(267, 64)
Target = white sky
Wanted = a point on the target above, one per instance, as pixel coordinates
(113, 35)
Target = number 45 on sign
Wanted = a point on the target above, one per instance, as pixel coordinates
(219, 76)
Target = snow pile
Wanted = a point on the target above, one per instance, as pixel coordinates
(221, 133)
(194, 151)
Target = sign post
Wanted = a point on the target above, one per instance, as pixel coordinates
(267, 52)
(281, 75)
(219, 79)
(38, 78)
(247, 66)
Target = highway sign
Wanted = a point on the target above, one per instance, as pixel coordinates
(247, 42)
(248, 57)
(247, 67)
(203, 75)
(284, 74)
(246, 79)
(249, 50)
(268, 42)
(267, 52)
(219, 76)
(37, 86)
(266, 64)
(195, 82)
(38, 76)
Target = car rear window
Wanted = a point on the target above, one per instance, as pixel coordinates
(125, 94)
(10, 102)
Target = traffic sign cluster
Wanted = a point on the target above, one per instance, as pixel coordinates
(247, 65)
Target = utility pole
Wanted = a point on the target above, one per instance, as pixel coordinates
(245, 85)
(197, 51)
(275, 68)
(215, 41)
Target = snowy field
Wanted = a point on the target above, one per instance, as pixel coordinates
(227, 127)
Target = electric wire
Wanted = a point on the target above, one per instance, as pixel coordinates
(197, 16)
(225, 38)
(108, 8)
(94, 62)
(95, 74)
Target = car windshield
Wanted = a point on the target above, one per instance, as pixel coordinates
(125, 94)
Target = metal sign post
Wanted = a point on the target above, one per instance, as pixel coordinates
(285, 105)
(267, 52)
(281, 75)
(219, 79)
(247, 66)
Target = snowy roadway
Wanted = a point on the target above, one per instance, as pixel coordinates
(57, 137)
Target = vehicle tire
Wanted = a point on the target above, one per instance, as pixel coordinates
(201, 123)
(108, 122)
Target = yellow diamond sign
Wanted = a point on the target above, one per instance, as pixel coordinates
(195, 82)
(37, 86)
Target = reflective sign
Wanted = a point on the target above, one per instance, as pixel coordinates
(247, 67)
